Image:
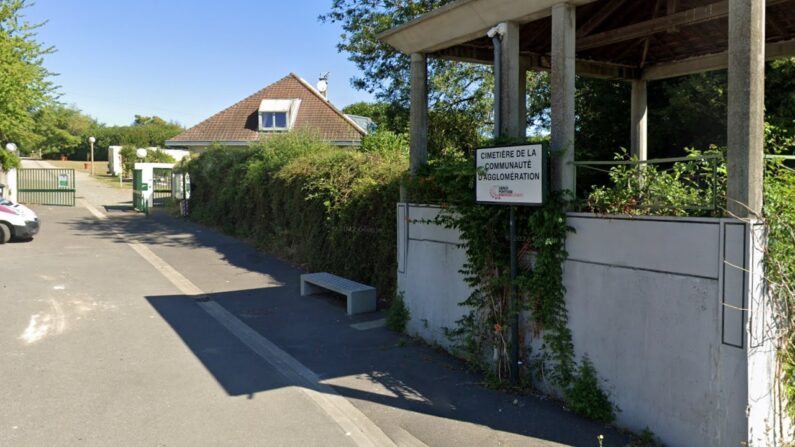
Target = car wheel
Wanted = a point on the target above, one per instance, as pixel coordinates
(5, 233)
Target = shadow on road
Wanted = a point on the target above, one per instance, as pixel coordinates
(373, 367)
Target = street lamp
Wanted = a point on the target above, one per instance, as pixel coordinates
(91, 141)
(11, 147)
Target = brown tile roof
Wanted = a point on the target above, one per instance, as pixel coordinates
(238, 123)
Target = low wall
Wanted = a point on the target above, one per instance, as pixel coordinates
(660, 305)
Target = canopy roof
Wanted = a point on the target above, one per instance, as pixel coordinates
(630, 39)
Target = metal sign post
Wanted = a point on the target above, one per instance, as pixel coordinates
(512, 175)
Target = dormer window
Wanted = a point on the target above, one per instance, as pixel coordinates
(274, 121)
(278, 115)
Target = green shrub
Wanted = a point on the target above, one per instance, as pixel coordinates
(158, 156)
(324, 208)
(686, 188)
(386, 143)
(129, 158)
(586, 397)
(8, 160)
(398, 314)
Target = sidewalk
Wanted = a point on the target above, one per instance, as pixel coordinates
(416, 395)
(409, 390)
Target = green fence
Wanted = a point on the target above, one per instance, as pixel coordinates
(162, 186)
(46, 186)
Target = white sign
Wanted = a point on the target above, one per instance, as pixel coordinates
(511, 175)
(63, 181)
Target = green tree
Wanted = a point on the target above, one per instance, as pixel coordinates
(386, 116)
(24, 82)
(143, 132)
(60, 129)
(460, 94)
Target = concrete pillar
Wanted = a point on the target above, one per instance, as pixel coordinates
(639, 146)
(513, 122)
(746, 107)
(562, 91)
(418, 114)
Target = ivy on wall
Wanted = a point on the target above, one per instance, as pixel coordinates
(482, 335)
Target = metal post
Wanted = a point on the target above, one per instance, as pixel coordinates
(514, 306)
(91, 142)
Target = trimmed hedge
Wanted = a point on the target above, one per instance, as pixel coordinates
(324, 208)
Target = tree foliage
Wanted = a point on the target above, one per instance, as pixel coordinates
(25, 84)
(60, 129)
(144, 132)
(460, 94)
(386, 116)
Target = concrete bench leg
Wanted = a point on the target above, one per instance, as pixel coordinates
(311, 289)
(361, 302)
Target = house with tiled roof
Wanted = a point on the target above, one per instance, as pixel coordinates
(287, 105)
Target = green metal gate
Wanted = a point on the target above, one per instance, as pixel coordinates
(161, 187)
(46, 186)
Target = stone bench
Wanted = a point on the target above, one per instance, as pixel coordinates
(360, 297)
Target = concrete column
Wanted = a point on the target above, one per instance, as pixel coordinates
(562, 91)
(746, 107)
(512, 97)
(418, 113)
(639, 114)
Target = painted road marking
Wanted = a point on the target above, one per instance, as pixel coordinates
(367, 325)
(97, 213)
(361, 429)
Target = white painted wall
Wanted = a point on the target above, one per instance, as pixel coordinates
(651, 302)
(428, 264)
(9, 179)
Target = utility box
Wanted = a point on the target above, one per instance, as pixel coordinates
(114, 160)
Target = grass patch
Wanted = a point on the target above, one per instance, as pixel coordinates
(100, 171)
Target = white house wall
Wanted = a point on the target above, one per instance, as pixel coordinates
(651, 302)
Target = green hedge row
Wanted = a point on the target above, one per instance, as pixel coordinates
(324, 208)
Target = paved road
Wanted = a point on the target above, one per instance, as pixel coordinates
(122, 330)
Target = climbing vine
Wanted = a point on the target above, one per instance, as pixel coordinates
(482, 335)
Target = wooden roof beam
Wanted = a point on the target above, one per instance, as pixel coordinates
(777, 26)
(672, 6)
(599, 17)
(710, 62)
(538, 62)
(694, 16)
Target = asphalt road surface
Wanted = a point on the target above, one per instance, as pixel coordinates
(117, 329)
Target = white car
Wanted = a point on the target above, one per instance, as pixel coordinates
(16, 221)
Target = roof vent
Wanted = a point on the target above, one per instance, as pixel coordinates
(322, 85)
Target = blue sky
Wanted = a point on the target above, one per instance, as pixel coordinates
(185, 60)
